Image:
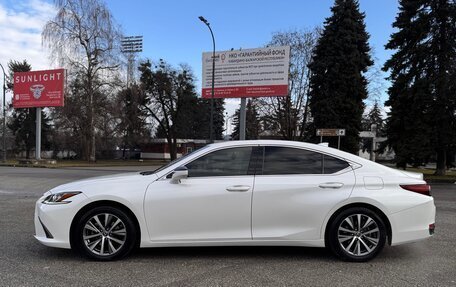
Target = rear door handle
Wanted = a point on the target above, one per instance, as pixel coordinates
(238, 188)
(334, 185)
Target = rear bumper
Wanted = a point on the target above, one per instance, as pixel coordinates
(413, 224)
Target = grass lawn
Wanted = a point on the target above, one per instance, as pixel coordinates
(449, 177)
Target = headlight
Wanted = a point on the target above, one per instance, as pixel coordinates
(60, 198)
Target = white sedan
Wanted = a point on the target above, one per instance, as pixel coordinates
(242, 193)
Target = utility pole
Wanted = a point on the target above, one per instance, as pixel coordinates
(374, 145)
(38, 135)
(242, 112)
(4, 114)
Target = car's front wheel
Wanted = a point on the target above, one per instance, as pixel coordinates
(357, 234)
(105, 233)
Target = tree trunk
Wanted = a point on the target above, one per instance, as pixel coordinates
(442, 90)
(441, 162)
(92, 149)
(91, 139)
(306, 112)
(172, 147)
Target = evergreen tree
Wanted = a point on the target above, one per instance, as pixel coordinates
(203, 118)
(252, 122)
(22, 122)
(187, 122)
(23, 127)
(421, 122)
(373, 117)
(338, 85)
(219, 118)
(132, 126)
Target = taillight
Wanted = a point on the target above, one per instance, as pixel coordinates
(419, 188)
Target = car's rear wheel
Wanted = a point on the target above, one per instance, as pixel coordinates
(357, 234)
(105, 233)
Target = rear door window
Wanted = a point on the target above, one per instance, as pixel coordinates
(286, 160)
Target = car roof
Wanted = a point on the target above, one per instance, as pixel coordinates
(312, 146)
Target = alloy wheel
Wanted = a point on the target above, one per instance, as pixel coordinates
(104, 234)
(358, 234)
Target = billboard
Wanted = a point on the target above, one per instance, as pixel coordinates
(38, 89)
(249, 73)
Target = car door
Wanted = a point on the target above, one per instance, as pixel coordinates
(295, 191)
(213, 203)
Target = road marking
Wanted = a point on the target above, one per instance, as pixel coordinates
(6, 191)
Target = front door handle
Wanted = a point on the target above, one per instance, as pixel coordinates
(334, 185)
(238, 188)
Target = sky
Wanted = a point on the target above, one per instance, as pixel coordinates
(173, 32)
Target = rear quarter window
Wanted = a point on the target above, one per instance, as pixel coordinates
(333, 165)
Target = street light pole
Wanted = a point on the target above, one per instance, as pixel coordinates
(4, 114)
(211, 133)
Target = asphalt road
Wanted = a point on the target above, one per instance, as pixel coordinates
(25, 262)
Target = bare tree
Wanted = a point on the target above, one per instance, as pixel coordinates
(288, 117)
(166, 93)
(84, 37)
(376, 81)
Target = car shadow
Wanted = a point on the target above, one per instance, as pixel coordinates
(234, 252)
(219, 252)
(267, 253)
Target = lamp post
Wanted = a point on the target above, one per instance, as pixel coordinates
(211, 124)
(4, 114)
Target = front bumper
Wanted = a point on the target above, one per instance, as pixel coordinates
(53, 222)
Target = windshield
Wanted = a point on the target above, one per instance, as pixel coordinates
(172, 162)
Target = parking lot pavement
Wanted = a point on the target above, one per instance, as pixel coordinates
(25, 262)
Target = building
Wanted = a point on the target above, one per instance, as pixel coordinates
(159, 149)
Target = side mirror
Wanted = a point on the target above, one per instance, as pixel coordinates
(179, 173)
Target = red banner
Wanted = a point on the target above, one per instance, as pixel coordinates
(247, 92)
(39, 89)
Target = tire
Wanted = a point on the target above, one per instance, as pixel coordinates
(356, 234)
(105, 233)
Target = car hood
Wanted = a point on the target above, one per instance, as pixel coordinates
(82, 184)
